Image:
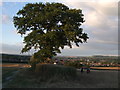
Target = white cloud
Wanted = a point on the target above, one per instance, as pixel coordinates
(101, 26)
(100, 21)
(87, 0)
(1, 3)
(6, 19)
(90, 49)
(12, 49)
(96, 12)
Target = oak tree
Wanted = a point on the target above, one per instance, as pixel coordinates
(51, 26)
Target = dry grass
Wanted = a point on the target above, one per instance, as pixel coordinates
(95, 79)
(110, 68)
(14, 65)
(27, 65)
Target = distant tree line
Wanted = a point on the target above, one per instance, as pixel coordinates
(15, 58)
(26, 58)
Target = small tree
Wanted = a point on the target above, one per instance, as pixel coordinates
(52, 26)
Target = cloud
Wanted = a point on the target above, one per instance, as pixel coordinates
(1, 3)
(102, 16)
(6, 19)
(96, 12)
(101, 20)
(101, 24)
(14, 49)
(95, 45)
(90, 49)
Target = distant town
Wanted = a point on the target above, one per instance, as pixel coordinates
(96, 60)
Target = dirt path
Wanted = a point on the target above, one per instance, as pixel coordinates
(14, 65)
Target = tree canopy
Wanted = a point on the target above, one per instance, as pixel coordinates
(51, 26)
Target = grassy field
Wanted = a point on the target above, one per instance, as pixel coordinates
(14, 65)
(24, 78)
(109, 68)
(27, 65)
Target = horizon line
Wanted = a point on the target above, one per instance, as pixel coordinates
(63, 55)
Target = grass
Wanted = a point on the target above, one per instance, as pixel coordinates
(28, 79)
(110, 68)
(47, 71)
(8, 72)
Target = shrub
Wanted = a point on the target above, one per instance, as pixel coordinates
(75, 64)
(48, 71)
(33, 63)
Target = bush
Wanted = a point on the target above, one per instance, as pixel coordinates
(48, 71)
(33, 61)
(75, 64)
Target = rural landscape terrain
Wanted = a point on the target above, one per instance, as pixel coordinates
(18, 74)
(61, 44)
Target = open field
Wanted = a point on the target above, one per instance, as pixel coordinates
(108, 68)
(23, 78)
(27, 65)
(14, 65)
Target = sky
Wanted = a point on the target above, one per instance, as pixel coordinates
(101, 25)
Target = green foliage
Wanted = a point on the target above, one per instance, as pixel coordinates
(47, 71)
(51, 26)
(33, 61)
(75, 64)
